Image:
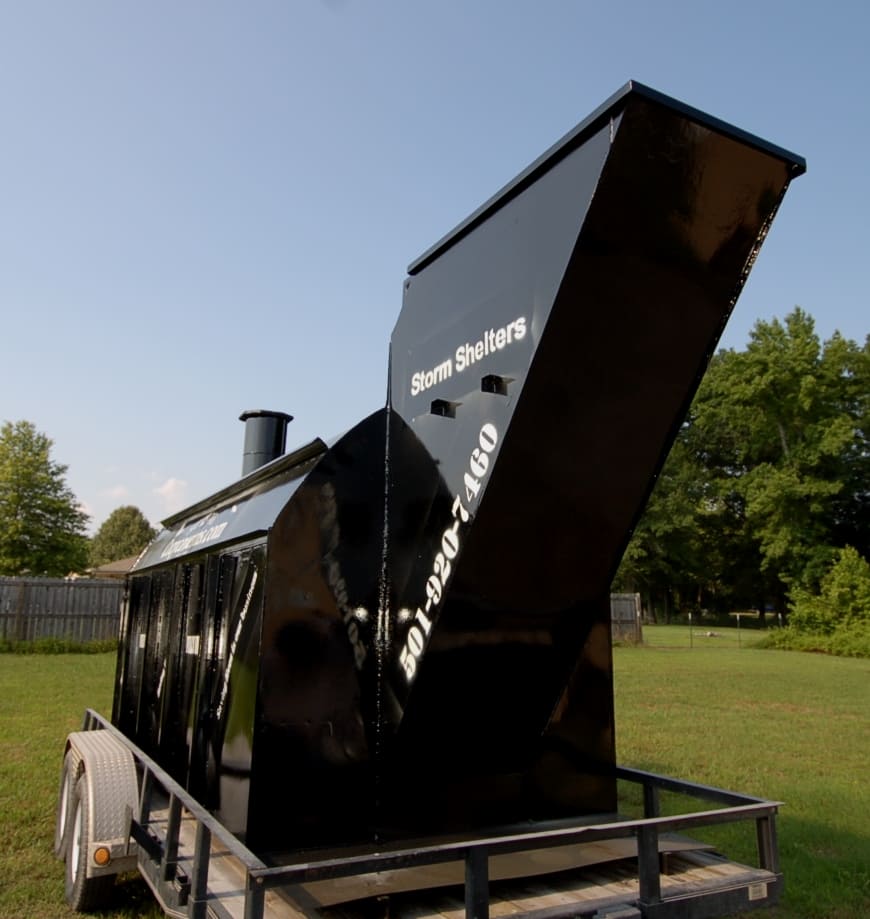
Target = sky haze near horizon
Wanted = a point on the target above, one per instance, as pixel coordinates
(210, 207)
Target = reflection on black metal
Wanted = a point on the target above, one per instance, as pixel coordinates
(407, 633)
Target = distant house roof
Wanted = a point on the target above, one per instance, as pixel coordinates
(118, 569)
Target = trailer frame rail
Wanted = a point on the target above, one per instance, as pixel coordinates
(188, 895)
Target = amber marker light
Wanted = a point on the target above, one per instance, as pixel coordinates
(102, 856)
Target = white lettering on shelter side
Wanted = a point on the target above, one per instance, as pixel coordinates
(468, 354)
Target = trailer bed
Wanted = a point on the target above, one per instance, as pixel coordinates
(608, 866)
(602, 889)
(577, 880)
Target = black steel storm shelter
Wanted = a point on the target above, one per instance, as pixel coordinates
(406, 633)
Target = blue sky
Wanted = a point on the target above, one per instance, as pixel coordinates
(207, 207)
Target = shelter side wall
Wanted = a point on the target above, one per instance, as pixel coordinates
(187, 670)
(319, 709)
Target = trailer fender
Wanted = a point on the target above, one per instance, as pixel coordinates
(108, 772)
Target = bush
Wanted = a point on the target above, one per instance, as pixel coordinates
(834, 621)
(57, 646)
(842, 602)
(837, 619)
(853, 642)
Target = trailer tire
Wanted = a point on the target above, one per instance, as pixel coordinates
(83, 894)
(64, 802)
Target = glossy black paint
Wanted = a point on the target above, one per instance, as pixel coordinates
(407, 632)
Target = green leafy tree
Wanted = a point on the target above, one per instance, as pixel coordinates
(782, 428)
(41, 525)
(769, 475)
(843, 600)
(851, 506)
(661, 559)
(125, 532)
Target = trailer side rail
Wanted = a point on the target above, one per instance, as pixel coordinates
(190, 895)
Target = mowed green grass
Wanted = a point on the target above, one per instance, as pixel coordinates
(713, 637)
(781, 725)
(42, 698)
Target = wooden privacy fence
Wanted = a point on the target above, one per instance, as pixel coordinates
(87, 609)
(625, 617)
(84, 609)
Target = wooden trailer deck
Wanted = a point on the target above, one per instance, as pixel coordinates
(586, 879)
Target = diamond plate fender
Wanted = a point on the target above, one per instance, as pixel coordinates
(112, 788)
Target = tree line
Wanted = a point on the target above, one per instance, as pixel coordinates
(767, 483)
(42, 526)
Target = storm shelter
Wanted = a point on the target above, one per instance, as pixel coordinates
(405, 633)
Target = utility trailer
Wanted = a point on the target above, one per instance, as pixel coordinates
(377, 671)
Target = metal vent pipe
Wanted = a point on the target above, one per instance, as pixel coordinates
(265, 437)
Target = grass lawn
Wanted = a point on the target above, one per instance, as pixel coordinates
(778, 724)
(42, 699)
(787, 726)
(714, 637)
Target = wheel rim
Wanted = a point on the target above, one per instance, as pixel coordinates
(75, 844)
(64, 804)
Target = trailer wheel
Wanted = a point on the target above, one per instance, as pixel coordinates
(82, 893)
(64, 800)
